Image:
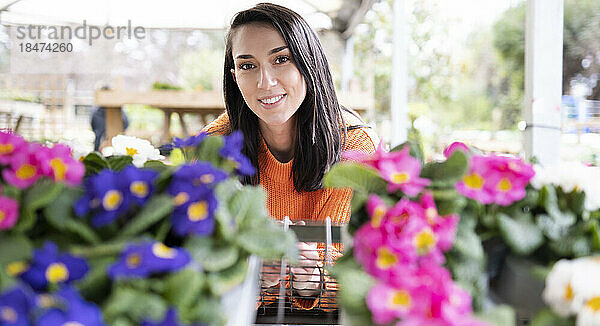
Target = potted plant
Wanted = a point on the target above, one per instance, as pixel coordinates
(132, 242)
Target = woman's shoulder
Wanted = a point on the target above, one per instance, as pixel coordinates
(218, 126)
(360, 136)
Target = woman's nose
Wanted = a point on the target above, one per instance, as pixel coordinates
(267, 78)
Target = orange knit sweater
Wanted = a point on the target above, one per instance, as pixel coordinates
(275, 178)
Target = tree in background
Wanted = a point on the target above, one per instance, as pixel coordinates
(581, 53)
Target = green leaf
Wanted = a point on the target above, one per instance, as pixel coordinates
(152, 212)
(42, 193)
(96, 281)
(268, 241)
(357, 176)
(355, 283)
(448, 172)
(522, 236)
(502, 315)
(119, 162)
(548, 318)
(14, 248)
(182, 288)
(468, 243)
(208, 310)
(225, 280)
(248, 206)
(556, 226)
(135, 304)
(94, 162)
(155, 165)
(212, 257)
(576, 202)
(209, 150)
(59, 213)
(452, 206)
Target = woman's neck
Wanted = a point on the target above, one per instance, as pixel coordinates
(280, 139)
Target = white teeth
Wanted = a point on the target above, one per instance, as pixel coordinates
(272, 100)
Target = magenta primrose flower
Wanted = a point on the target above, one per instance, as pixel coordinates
(58, 163)
(10, 143)
(401, 171)
(475, 183)
(376, 209)
(24, 168)
(443, 226)
(389, 303)
(508, 178)
(422, 296)
(9, 212)
(379, 257)
(496, 179)
(456, 146)
(368, 159)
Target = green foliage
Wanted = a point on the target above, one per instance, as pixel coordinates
(165, 86)
(548, 318)
(219, 260)
(499, 316)
(521, 235)
(157, 208)
(211, 256)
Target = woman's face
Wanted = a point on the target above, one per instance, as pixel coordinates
(266, 74)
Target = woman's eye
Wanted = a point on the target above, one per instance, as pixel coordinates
(246, 66)
(282, 59)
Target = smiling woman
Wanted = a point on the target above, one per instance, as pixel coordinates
(279, 93)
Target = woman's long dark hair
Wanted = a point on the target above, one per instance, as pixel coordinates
(319, 123)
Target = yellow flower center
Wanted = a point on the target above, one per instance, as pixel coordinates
(26, 171)
(594, 304)
(2, 216)
(385, 258)
(6, 149)
(569, 293)
(131, 151)
(504, 185)
(424, 241)
(133, 260)
(57, 272)
(198, 211)
(400, 299)
(72, 323)
(139, 189)
(45, 301)
(59, 168)
(431, 213)
(207, 178)
(8, 314)
(112, 200)
(162, 251)
(181, 198)
(378, 214)
(16, 268)
(400, 177)
(474, 181)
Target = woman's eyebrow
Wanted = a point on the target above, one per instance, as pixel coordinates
(275, 50)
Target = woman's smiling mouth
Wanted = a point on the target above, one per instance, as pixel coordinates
(272, 102)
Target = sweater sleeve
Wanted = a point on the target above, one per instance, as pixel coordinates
(218, 126)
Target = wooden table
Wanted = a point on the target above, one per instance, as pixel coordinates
(198, 102)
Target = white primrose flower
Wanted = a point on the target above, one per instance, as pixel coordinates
(571, 176)
(559, 293)
(139, 149)
(589, 315)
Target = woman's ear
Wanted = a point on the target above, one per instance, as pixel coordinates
(233, 75)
